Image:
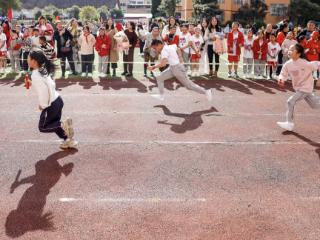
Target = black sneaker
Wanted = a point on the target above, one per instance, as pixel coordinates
(129, 75)
(124, 74)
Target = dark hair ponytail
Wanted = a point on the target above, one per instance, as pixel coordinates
(46, 67)
(300, 50)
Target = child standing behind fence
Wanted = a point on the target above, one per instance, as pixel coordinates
(197, 42)
(15, 47)
(260, 50)
(248, 55)
(272, 57)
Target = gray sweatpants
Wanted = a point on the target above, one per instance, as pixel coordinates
(178, 71)
(103, 64)
(186, 59)
(247, 65)
(310, 98)
(259, 67)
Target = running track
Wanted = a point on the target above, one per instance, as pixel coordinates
(178, 169)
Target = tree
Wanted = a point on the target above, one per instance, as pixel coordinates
(167, 7)
(116, 13)
(6, 4)
(205, 8)
(154, 8)
(37, 15)
(301, 11)
(103, 12)
(252, 12)
(74, 11)
(89, 13)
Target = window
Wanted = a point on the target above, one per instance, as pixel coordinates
(278, 9)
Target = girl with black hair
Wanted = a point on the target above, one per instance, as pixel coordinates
(50, 103)
(300, 71)
(213, 32)
(114, 54)
(128, 58)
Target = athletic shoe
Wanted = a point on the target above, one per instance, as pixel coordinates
(286, 125)
(229, 75)
(158, 96)
(123, 74)
(83, 74)
(209, 95)
(269, 78)
(72, 143)
(69, 143)
(64, 144)
(70, 127)
(103, 75)
(236, 75)
(90, 75)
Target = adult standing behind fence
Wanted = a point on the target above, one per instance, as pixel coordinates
(75, 32)
(87, 42)
(213, 32)
(114, 55)
(64, 48)
(128, 58)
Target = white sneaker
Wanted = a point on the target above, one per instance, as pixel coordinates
(229, 75)
(72, 143)
(286, 125)
(158, 96)
(83, 74)
(102, 75)
(64, 144)
(90, 75)
(269, 78)
(209, 95)
(65, 127)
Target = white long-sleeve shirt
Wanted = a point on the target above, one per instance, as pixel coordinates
(45, 88)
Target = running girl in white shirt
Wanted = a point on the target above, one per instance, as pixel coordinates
(50, 103)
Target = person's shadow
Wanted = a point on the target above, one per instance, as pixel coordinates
(306, 140)
(29, 215)
(191, 121)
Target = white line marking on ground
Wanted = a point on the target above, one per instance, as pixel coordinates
(165, 142)
(133, 200)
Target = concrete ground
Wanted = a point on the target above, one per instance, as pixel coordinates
(178, 169)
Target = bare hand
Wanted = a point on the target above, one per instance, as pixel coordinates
(151, 68)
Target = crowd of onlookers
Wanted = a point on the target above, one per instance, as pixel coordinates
(262, 51)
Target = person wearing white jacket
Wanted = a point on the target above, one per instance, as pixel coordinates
(50, 102)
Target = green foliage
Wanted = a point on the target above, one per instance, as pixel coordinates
(301, 11)
(37, 15)
(205, 8)
(103, 12)
(154, 8)
(5, 4)
(74, 11)
(167, 7)
(116, 14)
(251, 13)
(89, 13)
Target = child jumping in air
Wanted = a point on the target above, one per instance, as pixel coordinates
(300, 71)
(50, 103)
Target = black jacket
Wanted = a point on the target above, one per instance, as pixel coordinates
(65, 40)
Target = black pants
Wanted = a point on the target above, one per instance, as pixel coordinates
(25, 66)
(87, 62)
(212, 53)
(50, 119)
(128, 61)
(113, 66)
(279, 68)
(141, 44)
(68, 56)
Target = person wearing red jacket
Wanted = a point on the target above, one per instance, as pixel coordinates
(235, 42)
(172, 37)
(103, 45)
(313, 47)
(260, 51)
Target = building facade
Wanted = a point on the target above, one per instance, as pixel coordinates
(277, 9)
